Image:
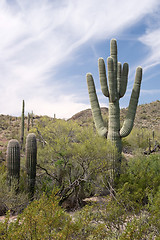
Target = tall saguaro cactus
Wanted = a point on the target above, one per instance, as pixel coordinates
(22, 125)
(28, 123)
(32, 123)
(117, 79)
(13, 160)
(31, 161)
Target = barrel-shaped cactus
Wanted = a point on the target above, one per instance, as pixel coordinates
(31, 161)
(13, 161)
(117, 79)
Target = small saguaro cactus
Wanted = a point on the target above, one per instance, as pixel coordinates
(117, 79)
(22, 125)
(31, 161)
(28, 123)
(13, 161)
(32, 123)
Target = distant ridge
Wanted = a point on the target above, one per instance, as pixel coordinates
(147, 115)
(85, 114)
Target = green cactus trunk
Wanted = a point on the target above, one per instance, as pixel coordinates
(114, 133)
(31, 161)
(28, 123)
(22, 125)
(13, 161)
(32, 123)
(114, 125)
(117, 79)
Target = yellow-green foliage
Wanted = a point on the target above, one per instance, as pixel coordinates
(139, 181)
(45, 219)
(75, 157)
(110, 220)
(139, 138)
(42, 219)
(10, 199)
(131, 213)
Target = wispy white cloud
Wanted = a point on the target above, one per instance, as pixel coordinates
(152, 41)
(63, 106)
(37, 36)
(147, 91)
(150, 91)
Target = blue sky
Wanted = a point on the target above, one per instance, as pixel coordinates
(48, 46)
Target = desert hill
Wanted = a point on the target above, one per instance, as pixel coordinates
(147, 116)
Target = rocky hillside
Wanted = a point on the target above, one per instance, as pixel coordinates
(147, 116)
(10, 128)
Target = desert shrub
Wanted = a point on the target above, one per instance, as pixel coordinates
(139, 181)
(2, 157)
(42, 219)
(45, 219)
(155, 213)
(133, 210)
(2, 168)
(73, 158)
(4, 124)
(139, 138)
(90, 223)
(14, 198)
(138, 227)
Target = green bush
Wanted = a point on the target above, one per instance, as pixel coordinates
(139, 139)
(10, 198)
(154, 210)
(139, 181)
(138, 227)
(45, 219)
(42, 219)
(73, 158)
(81, 164)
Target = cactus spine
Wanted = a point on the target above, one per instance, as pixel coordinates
(117, 79)
(31, 161)
(22, 124)
(13, 160)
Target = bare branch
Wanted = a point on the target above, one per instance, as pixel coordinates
(46, 171)
(43, 141)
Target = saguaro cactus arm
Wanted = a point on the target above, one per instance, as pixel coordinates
(128, 123)
(117, 77)
(111, 80)
(122, 79)
(113, 51)
(96, 111)
(102, 77)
